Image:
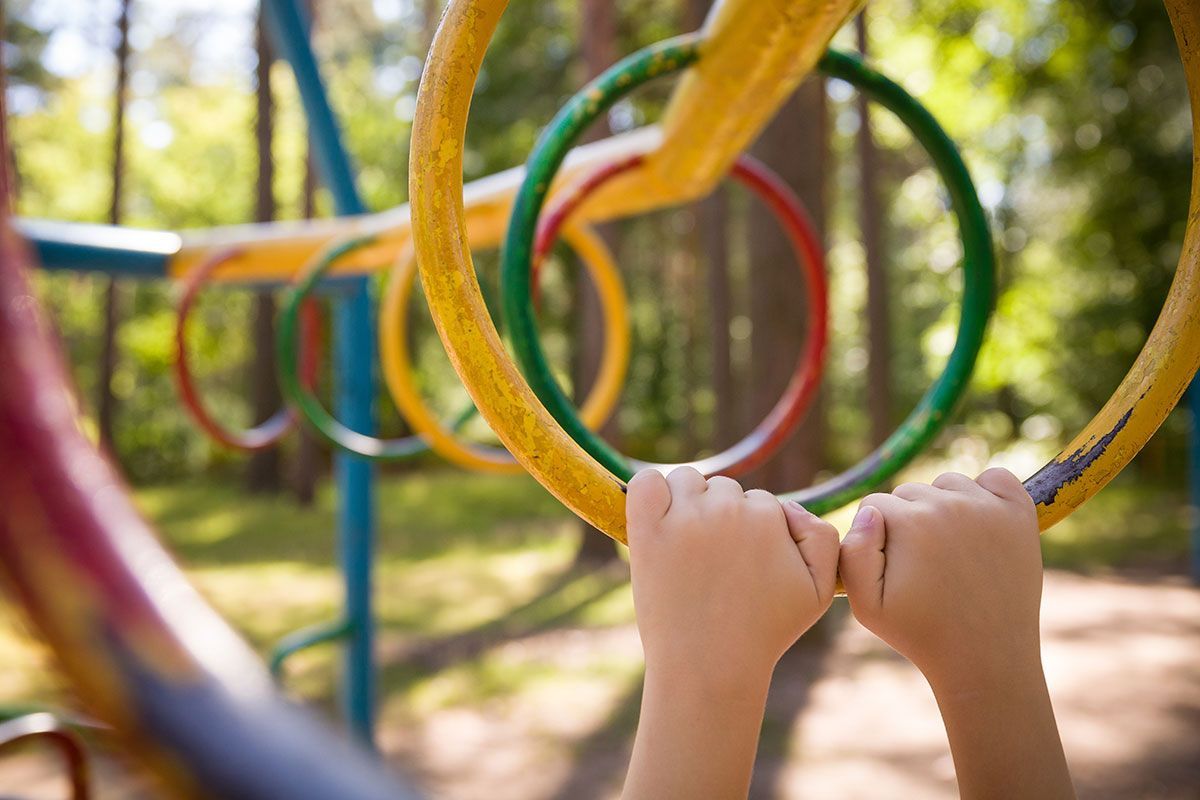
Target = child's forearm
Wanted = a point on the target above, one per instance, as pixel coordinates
(1003, 736)
(697, 737)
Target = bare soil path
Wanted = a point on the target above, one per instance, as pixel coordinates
(847, 718)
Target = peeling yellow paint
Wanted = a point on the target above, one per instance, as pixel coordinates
(755, 54)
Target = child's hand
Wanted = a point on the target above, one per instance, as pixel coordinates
(724, 581)
(950, 575)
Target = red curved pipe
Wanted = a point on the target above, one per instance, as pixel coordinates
(278, 426)
(143, 650)
(779, 424)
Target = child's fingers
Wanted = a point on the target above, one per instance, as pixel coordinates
(762, 499)
(720, 486)
(862, 560)
(914, 491)
(1002, 483)
(686, 482)
(648, 499)
(955, 482)
(817, 541)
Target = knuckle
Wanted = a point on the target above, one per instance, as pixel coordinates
(647, 490)
(685, 472)
(722, 481)
(910, 490)
(1000, 477)
(646, 477)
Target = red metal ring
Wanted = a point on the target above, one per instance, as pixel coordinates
(766, 438)
(275, 428)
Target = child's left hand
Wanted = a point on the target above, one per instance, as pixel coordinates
(724, 581)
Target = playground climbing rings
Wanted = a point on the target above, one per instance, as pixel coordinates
(301, 397)
(801, 390)
(916, 431)
(269, 432)
(583, 477)
(398, 372)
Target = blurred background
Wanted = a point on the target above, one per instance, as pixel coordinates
(510, 666)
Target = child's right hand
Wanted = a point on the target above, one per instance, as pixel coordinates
(724, 581)
(950, 575)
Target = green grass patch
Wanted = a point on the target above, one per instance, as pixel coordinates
(1128, 525)
(468, 563)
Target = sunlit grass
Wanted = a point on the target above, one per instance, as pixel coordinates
(480, 562)
(1127, 525)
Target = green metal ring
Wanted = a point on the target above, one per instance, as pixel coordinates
(665, 58)
(304, 400)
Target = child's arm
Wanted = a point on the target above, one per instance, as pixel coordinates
(724, 582)
(950, 575)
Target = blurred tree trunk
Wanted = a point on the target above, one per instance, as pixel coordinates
(712, 220)
(879, 363)
(598, 38)
(712, 242)
(795, 144)
(432, 14)
(308, 454)
(308, 451)
(7, 166)
(685, 272)
(262, 468)
(106, 401)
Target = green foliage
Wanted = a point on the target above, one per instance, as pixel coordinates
(1054, 104)
(476, 559)
(24, 45)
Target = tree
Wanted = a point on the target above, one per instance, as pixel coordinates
(106, 404)
(308, 450)
(262, 468)
(795, 144)
(430, 13)
(6, 188)
(870, 214)
(712, 245)
(23, 67)
(598, 41)
(23, 44)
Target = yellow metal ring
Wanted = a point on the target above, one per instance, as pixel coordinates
(398, 368)
(1151, 389)
(452, 290)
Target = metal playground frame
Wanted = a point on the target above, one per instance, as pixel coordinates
(145, 652)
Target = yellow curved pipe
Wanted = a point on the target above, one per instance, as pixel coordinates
(394, 349)
(452, 291)
(1151, 389)
(754, 56)
(1169, 358)
(277, 251)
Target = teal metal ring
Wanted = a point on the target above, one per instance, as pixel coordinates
(921, 425)
(304, 400)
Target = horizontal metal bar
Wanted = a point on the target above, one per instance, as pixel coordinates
(305, 638)
(100, 248)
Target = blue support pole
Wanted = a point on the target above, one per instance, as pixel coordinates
(354, 347)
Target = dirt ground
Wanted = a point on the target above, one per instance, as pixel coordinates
(847, 718)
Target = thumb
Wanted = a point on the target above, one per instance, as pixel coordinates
(862, 561)
(817, 542)
(649, 497)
